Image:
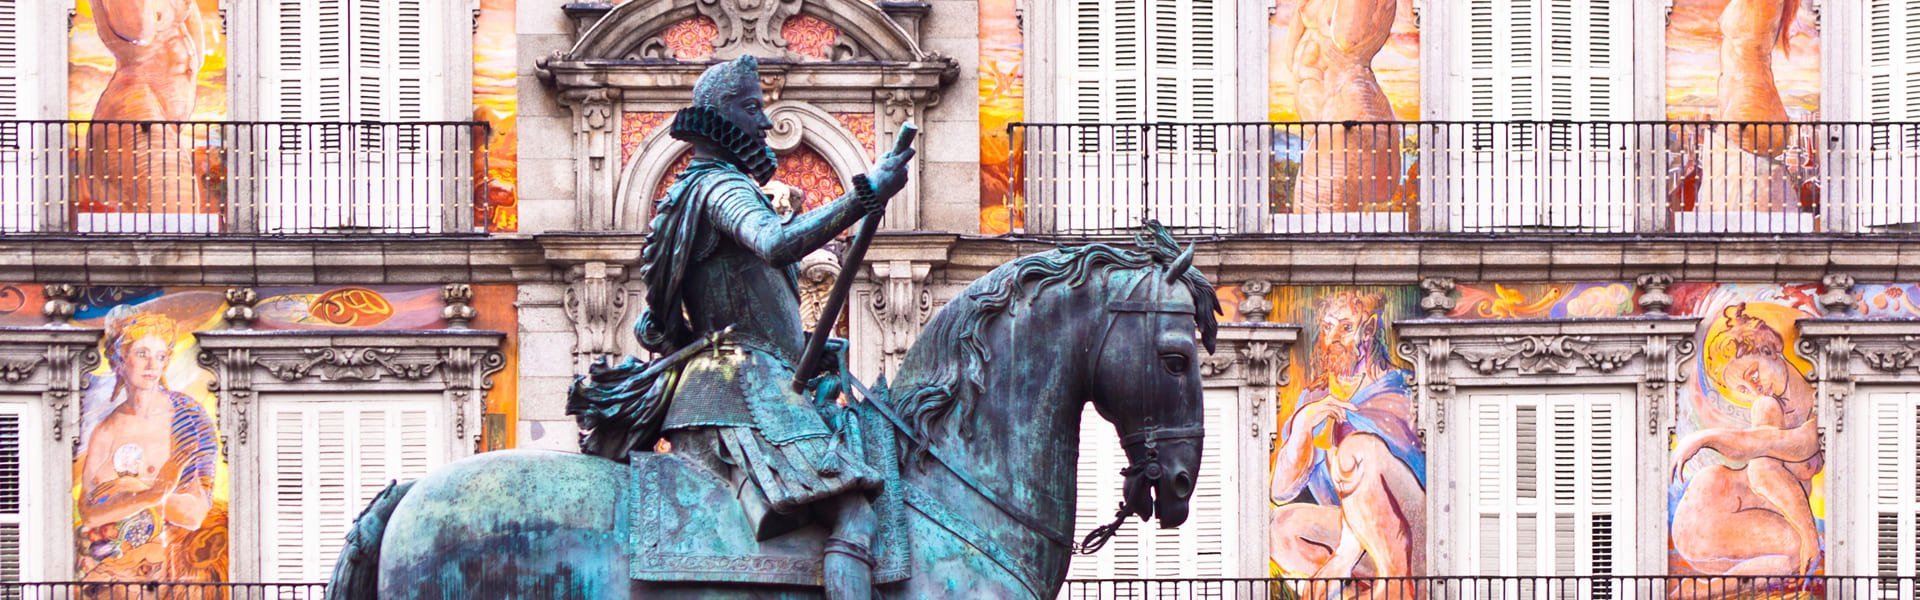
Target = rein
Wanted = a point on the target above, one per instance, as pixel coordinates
(1151, 434)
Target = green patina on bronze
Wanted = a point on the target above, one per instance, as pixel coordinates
(957, 482)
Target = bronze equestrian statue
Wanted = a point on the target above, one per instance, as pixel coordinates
(731, 466)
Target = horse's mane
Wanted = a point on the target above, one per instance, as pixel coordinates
(943, 395)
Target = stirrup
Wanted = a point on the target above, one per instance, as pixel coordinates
(849, 549)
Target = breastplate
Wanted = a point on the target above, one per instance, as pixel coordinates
(734, 287)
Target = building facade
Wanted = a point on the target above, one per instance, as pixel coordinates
(1512, 287)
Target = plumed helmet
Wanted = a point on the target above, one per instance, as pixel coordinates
(728, 77)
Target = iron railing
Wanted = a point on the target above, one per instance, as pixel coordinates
(1558, 587)
(241, 178)
(162, 591)
(1591, 587)
(1467, 178)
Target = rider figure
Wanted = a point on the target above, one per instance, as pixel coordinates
(719, 256)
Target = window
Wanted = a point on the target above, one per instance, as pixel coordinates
(380, 64)
(1158, 62)
(18, 543)
(1890, 510)
(1889, 98)
(1550, 487)
(19, 99)
(325, 458)
(1541, 60)
(1206, 544)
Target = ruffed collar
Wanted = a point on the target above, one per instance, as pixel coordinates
(749, 153)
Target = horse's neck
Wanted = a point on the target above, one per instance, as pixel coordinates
(1023, 444)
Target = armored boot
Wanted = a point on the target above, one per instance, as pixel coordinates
(849, 570)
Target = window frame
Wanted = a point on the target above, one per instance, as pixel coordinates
(1463, 447)
(1850, 358)
(1487, 356)
(440, 448)
(455, 364)
(46, 367)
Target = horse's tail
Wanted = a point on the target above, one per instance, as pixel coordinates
(356, 574)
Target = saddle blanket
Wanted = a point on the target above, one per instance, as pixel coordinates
(687, 525)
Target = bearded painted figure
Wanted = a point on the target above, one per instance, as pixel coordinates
(1349, 476)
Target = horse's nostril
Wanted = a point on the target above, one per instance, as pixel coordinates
(1182, 485)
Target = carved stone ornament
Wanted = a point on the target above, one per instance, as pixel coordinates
(240, 313)
(1438, 302)
(1652, 298)
(1846, 352)
(1258, 354)
(1255, 306)
(49, 361)
(16, 370)
(817, 272)
(60, 304)
(1530, 355)
(459, 312)
(749, 26)
(596, 304)
(456, 363)
(1836, 295)
(1634, 350)
(901, 305)
(349, 364)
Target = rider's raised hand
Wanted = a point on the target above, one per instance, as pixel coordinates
(888, 178)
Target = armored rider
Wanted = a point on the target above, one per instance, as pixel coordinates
(718, 256)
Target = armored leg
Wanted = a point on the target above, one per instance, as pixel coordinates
(849, 558)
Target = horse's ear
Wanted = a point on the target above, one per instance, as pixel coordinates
(1180, 265)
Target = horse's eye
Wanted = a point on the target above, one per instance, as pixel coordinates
(1176, 363)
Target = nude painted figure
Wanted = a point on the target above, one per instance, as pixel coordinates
(146, 468)
(158, 47)
(1350, 446)
(1331, 44)
(1748, 512)
(1752, 167)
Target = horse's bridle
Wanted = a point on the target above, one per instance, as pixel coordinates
(1150, 434)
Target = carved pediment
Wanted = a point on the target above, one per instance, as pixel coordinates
(1642, 350)
(1846, 351)
(820, 31)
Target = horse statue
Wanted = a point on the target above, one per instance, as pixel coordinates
(978, 434)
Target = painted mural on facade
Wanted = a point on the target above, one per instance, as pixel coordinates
(1334, 61)
(1746, 61)
(152, 490)
(1348, 402)
(1002, 101)
(496, 101)
(1748, 494)
(147, 60)
(166, 60)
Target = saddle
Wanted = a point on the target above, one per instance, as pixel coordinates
(687, 525)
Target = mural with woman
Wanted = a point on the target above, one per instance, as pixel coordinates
(1349, 475)
(146, 463)
(1747, 493)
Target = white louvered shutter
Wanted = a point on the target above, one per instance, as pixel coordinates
(1893, 501)
(304, 85)
(1550, 488)
(325, 459)
(338, 61)
(1541, 60)
(19, 99)
(1203, 547)
(1101, 78)
(15, 474)
(1877, 174)
(398, 79)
